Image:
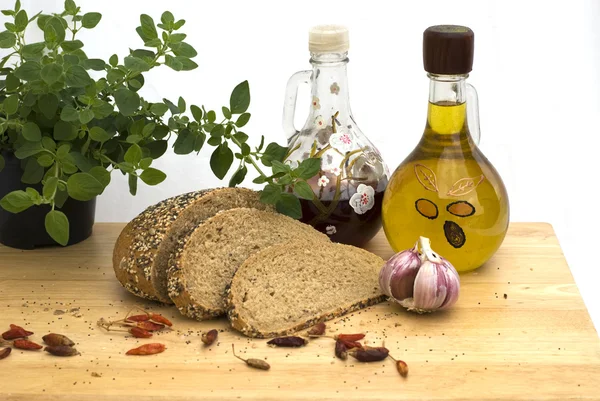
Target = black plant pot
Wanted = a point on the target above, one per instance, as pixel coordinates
(26, 230)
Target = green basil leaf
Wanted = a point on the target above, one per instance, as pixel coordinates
(12, 83)
(186, 63)
(308, 168)
(64, 131)
(240, 137)
(259, 180)
(279, 167)
(81, 162)
(28, 149)
(69, 113)
(304, 190)
(167, 17)
(238, 177)
(70, 7)
(95, 64)
(90, 20)
(113, 60)
(199, 141)
(183, 49)
(214, 140)
(148, 130)
(181, 105)
(11, 104)
(132, 180)
(71, 45)
(145, 163)
(220, 160)
(133, 154)
(101, 174)
(136, 64)
(134, 138)
(45, 160)
(173, 63)
(57, 25)
(83, 186)
(57, 226)
(98, 134)
(148, 28)
(31, 132)
(177, 37)
(127, 101)
(174, 110)
(48, 144)
(160, 132)
(77, 77)
(245, 149)
(50, 187)
(102, 110)
(21, 20)
(270, 194)
(218, 130)
(211, 116)
(178, 24)
(33, 50)
(48, 105)
(152, 176)
(33, 172)
(34, 195)
(240, 98)
(16, 202)
(157, 148)
(242, 120)
(86, 115)
(273, 152)
(7, 40)
(28, 71)
(156, 42)
(159, 109)
(63, 151)
(184, 144)
(226, 112)
(289, 205)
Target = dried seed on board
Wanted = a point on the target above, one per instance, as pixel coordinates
(370, 354)
(252, 362)
(402, 368)
(209, 337)
(57, 339)
(5, 352)
(140, 333)
(317, 330)
(16, 332)
(61, 350)
(341, 351)
(290, 341)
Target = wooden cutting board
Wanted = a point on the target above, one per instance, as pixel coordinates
(519, 331)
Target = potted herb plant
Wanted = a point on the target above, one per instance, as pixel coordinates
(64, 129)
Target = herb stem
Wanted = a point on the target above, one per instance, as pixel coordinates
(247, 157)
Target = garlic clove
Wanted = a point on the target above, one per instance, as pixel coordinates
(453, 287)
(397, 276)
(430, 289)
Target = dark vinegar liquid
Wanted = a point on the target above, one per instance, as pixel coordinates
(350, 228)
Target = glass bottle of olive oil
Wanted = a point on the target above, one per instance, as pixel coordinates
(446, 189)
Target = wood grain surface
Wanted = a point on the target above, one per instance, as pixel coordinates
(520, 331)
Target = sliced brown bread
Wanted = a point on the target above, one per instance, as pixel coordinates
(204, 263)
(142, 251)
(288, 287)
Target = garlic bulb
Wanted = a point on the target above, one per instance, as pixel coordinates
(421, 282)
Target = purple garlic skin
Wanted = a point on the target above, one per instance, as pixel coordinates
(421, 282)
(397, 276)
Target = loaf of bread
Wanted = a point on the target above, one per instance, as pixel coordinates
(288, 287)
(142, 251)
(204, 262)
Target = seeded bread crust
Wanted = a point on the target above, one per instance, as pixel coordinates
(142, 251)
(138, 244)
(194, 308)
(240, 324)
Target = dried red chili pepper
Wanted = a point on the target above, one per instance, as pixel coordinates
(370, 354)
(147, 349)
(349, 337)
(160, 319)
(16, 332)
(26, 344)
(290, 341)
(61, 350)
(57, 339)
(252, 362)
(149, 326)
(341, 351)
(140, 333)
(4, 353)
(350, 344)
(209, 337)
(317, 330)
(402, 368)
(137, 318)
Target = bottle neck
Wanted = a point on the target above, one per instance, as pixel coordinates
(447, 111)
(330, 85)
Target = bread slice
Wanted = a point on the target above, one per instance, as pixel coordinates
(142, 251)
(204, 263)
(289, 287)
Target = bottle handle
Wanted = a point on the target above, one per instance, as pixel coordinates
(473, 113)
(289, 105)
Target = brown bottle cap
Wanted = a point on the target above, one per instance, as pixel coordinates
(448, 49)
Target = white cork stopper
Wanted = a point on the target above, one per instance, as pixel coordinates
(328, 39)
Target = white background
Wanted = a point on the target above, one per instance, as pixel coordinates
(536, 69)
